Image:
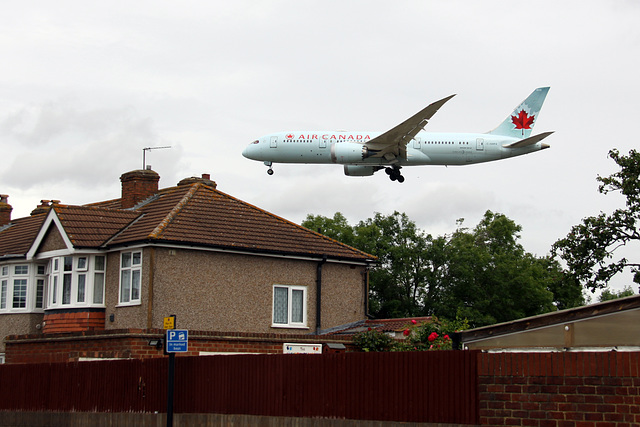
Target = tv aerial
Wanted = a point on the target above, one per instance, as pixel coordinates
(144, 153)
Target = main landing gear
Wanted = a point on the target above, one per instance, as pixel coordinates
(270, 170)
(394, 173)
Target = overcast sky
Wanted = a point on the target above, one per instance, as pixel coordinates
(84, 87)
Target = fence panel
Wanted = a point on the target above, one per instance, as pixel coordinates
(439, 387)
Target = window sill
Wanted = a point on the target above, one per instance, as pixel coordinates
(129, 304)
(283, 326)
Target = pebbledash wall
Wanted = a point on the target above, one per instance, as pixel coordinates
(211, 290)
(135, 344)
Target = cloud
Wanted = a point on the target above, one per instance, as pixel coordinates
(65, 144)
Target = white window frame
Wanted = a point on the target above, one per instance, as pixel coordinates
(19, 285)
(128, 273)
(4, 293)
(4, 287)
(15, 277)
(98, 277)
(82, 281)
(20, 289)
(289, 323)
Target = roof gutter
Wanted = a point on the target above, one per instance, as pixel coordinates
(242, 251)
(12, 256)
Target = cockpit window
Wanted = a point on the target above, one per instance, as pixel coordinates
(255, 142)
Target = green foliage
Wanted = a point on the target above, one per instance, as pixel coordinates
(590, 247)
(608, 295)
(426, 336)
(482, 274)
(373, 340)
(337, 228)
(490, 278)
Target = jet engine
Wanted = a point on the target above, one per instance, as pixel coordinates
(357, 170)
(348, 152)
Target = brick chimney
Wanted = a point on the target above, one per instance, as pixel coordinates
(5, 210)
(137, 186)
(206, 180)
(41, 208)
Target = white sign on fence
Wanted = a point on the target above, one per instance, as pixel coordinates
(292, 348)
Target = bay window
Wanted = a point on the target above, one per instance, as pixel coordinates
(76, 281)
(21, 287)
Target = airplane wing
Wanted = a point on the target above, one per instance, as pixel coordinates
(393, 143)
(527, 141)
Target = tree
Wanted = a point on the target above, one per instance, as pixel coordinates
(483, 274)
(608, 295)
(490, 278)
(590, 247)
(337, 228)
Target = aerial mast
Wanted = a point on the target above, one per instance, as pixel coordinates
(144, 152)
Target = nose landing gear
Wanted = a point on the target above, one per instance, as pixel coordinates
(394, 173)
(270, 170)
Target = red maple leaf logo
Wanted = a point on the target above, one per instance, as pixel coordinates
(523, 120)
(290, 136)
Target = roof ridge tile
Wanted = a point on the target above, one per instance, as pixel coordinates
(168, 219)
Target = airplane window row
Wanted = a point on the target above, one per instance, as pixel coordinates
(447, 142)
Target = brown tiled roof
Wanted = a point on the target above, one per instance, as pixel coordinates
(194, 214)
(92, 227)
(17, 237)
(200, 214)
(383, 325)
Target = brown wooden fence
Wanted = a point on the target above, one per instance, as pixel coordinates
(436, 387)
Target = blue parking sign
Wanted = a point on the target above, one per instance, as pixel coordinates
(177, 340)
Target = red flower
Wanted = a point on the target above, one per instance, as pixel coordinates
(406, 332)
(446, 338)
(369, 328)
(414, 321)
(433, 336)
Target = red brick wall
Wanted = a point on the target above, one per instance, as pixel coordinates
(134, 343)
(74, 321)
(559, 389)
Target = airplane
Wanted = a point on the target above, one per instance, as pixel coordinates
(407, 144)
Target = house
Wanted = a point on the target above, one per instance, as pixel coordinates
(215, 262)
(607, 326)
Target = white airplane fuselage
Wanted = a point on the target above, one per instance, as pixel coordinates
(346, 148)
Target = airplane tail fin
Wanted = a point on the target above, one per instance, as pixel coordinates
(520, 122)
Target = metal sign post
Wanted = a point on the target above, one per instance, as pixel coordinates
(172, 368)
(175, 341)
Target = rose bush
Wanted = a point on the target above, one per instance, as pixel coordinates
(425, 336)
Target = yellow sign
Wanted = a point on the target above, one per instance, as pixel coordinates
(170, 322)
